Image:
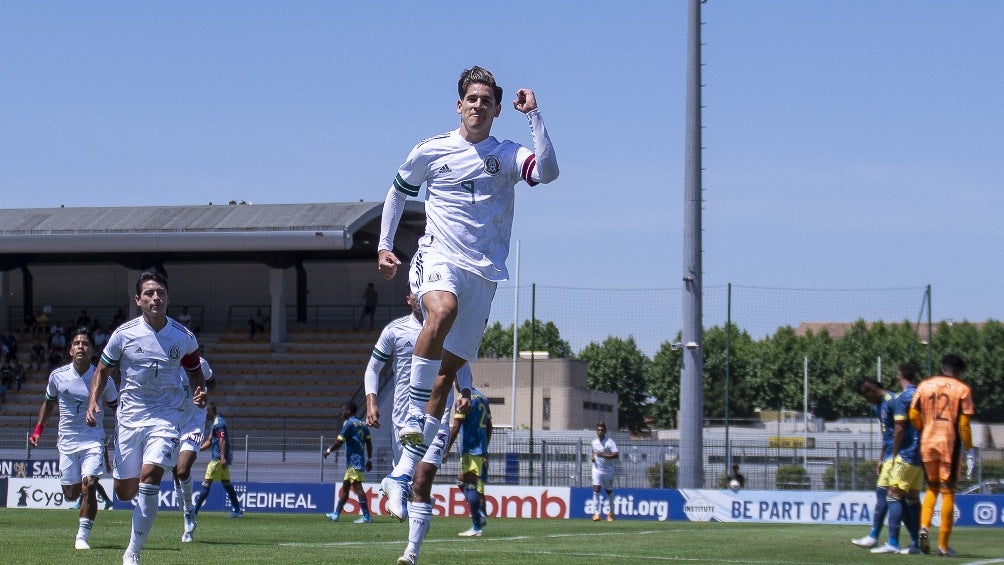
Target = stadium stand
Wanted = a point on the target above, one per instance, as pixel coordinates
(268, 389)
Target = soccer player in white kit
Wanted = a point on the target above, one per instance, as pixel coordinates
(191, 424)
(81, 447)
(604, 454)
(149, 351)
(395, 345)
(471, 179)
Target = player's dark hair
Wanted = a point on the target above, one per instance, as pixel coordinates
(84, 332)
(351, 407)
(865, 381)
(602, 425)
(909, 371)
(953, 362)
(481, 75)
(150, 276)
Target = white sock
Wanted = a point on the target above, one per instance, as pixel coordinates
(431, 429)
(596, 502)
(419, 517)
(186, 494)
(423, 376)
(410, 456)
(143, 516)
(84, 530)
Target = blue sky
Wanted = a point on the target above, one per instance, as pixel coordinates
(849, 145)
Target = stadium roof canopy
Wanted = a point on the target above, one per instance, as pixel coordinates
(279, 235)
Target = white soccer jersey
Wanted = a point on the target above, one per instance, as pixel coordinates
(192, 419)
(151, 393)
(72, 390)
(397, 343)
(470, 197)
(602, 465)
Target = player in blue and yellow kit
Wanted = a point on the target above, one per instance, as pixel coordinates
(907, 475)
(477, 434)
(219, 467)
(355, 436)
(875, 393)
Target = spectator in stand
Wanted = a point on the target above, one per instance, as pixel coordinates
(6, 376)
(185, 318)
(57, 336)
(9, 345)
(118, 319)
(55, 359)
(370, 298)
(41, 322)
(83, 320)
(258, 322)
(37, 355)
(100, 338)
(18, 374)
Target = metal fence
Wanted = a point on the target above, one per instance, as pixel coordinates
(562, 461)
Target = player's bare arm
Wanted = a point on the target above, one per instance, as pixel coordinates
(98, 384)
(525, 100)
(372, 411)
(198, 382)
(43, 417)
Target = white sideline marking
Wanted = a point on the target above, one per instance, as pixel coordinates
(481, 540)
(985, 562)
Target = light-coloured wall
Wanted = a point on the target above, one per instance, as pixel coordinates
(561, 380)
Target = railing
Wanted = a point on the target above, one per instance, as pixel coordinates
(282, 458)
(67, 315)
(318, 317)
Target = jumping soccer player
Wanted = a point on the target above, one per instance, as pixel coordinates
(470, 178)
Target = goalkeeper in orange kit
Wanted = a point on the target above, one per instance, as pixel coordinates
(941, 409)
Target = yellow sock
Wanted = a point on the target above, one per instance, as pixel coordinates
(927, 508)
(947, 517)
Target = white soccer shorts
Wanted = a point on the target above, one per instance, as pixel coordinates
(603, 480)
(191, 442)
(142, 446)
(431, 271)
(88, 462)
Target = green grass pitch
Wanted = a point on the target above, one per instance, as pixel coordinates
(46, 536)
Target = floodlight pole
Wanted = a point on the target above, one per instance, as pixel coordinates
(690, 473)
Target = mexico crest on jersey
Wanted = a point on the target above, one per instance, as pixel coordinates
(492, 165)
(175, 352)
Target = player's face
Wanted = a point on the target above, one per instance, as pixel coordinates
(601, 431)
(478, 109)
(80, 348)
(152, 300)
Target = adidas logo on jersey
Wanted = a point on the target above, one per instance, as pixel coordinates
(139, 350)
(444, 169)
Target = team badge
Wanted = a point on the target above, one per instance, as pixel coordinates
(174, 353)
(492, 165)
